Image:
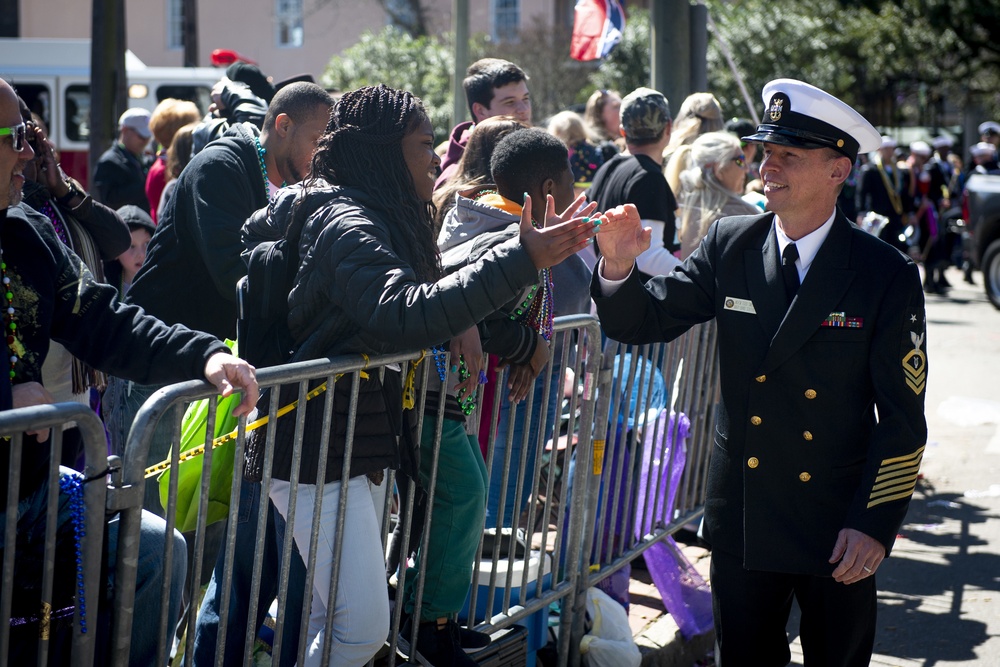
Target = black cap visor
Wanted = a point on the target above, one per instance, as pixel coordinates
(784, 135)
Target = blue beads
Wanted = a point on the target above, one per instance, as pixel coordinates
(72, 486)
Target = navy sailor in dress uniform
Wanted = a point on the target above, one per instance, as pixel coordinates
(823, 370)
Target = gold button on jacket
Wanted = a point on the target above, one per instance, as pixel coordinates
(807, 435)
(755, 420)
(810, 394)
(753, 462)
(761, 378)
(805, 477)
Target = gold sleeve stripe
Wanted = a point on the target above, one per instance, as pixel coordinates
(900, 496)
(909, 457)
(894, 482)
(908, 470)
(898, 466)
(893, 489)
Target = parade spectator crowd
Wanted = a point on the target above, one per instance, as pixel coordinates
(179, 200)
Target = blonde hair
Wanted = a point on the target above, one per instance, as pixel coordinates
(701, 194)
(169, 116)
(700, 113)
(567, 126)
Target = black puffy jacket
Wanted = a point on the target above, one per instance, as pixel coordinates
(356, 293)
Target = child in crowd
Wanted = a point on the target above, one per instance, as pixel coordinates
(535, 163)
(121, 271)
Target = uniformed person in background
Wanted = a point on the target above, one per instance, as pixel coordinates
(823, 367)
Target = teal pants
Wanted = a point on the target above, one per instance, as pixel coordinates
(456, 523)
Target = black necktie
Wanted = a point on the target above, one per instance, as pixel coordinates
(789, 273)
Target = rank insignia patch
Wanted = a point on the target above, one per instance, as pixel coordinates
(915, 365)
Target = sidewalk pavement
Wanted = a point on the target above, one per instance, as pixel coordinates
(655, 631)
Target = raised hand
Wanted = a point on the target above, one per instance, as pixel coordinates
(622, 239)
(561, 236)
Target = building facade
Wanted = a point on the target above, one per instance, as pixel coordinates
(284, 37)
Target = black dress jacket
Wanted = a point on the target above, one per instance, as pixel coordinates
(800, 451)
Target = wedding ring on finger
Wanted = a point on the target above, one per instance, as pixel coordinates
(866, 569)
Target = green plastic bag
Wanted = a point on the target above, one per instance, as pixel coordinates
(189, 472)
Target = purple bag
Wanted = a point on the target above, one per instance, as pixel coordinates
(685, 593)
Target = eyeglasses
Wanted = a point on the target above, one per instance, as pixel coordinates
(18, 133)
(740, 160)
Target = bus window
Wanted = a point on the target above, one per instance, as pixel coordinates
(38, 97)
(78, 112)
(200, 95)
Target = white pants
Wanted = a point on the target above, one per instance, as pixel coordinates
(361, 611)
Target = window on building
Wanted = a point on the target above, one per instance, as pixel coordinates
(288, 16)
(506, 20)
(175, 24)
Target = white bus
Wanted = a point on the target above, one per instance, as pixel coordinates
(53, 78)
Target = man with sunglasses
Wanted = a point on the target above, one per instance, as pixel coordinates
(50, 295)
(821, 427)
(120, 174)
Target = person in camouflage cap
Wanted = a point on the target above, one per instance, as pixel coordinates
(636, 177)
(644, 115)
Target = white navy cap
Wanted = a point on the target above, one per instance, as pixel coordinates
(942, 142)
(989, 127)
(799, 114)
(888, 142)
(983, 149)
(921, 148)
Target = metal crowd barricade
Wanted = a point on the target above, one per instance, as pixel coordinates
(646, 419)
(516, 584)
(53, 605)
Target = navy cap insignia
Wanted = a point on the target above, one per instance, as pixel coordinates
(915, 365)
(777, 107)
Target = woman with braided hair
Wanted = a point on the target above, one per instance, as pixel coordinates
(370, 282)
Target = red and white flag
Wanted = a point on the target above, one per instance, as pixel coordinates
(597, 28)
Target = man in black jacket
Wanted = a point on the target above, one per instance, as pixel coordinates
(51, 295)
(193, 260)
(808, 484)
(120, 174)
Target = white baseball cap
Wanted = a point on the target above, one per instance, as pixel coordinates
(138, 120)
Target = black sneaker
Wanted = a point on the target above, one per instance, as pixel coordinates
(471, 641)
(436, 647)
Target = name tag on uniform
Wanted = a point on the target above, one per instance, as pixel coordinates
(742, 305)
